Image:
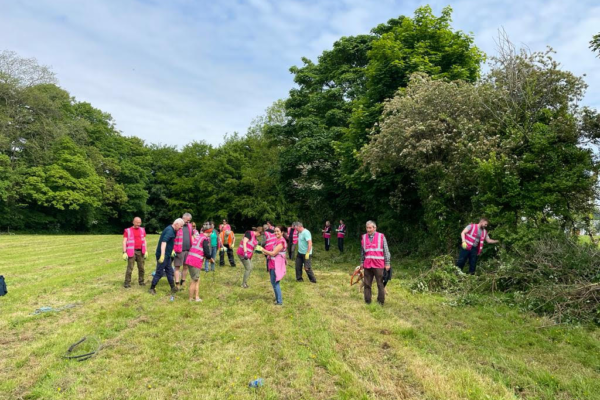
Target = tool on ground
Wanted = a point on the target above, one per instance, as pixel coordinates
(81, 357)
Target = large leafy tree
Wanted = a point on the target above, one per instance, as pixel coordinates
(508, 147)
(339, 100)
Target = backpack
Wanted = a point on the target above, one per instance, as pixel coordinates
(3, 289)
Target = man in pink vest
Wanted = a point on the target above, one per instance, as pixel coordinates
(183, 244)
(134, 251)
(473, 237)
(375, 258)
(292, 233)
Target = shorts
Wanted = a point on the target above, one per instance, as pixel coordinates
(179, 259)
(194, 273)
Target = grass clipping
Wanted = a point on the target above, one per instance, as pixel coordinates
(556, 277)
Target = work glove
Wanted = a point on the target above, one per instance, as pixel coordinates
(145, 255)
(307, 257)
(464, 245)
(125, 257)
(161, 259)
(173, 254)
(258, 248)
(245, 258)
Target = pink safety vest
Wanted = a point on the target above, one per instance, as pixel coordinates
(374, 256)
(270, 241)
(223, 228)
(249, 246)
(178, 243)
(341, 231)
(195, 256)
(295, 237)
(131, 242)
(278, 262)
(327, 235)
(472, 234)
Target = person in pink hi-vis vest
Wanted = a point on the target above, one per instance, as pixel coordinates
(277, 263)
(135, 251)
(473, 237)
(375, 259)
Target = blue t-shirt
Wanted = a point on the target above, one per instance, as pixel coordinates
(303, 238)
(168, 236)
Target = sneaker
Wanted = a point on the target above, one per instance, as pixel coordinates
(198, 300)
(143, 284)
(278, 304)
(174, 291)
(152, 291)
(126, 286)
(245, 286)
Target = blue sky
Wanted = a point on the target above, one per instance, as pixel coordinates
(180, 70)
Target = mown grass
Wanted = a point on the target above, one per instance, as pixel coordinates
(323, 343)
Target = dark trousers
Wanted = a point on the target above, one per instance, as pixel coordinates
(164, 268)
(301, 261)
(138, 258)
(377, 273)
(341, 244)
(229, 256)
(470, 255)
(327, 243)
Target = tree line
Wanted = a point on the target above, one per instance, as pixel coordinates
(398, 125)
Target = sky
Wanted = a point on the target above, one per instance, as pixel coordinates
(176, 71)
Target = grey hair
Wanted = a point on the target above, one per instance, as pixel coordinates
(372, 223)
(299, 224)
(187, 215)
(178, 221)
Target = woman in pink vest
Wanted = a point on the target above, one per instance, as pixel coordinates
(341, 234)
(134, 251)
(473, 237)
(375, 258)
(327, 235)
(195, 259)
(246, 250)
(277, 263)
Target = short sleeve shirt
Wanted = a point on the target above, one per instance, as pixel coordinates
(167, 236)
(303, 238)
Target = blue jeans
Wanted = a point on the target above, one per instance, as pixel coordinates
(213, 255)
(276, 287)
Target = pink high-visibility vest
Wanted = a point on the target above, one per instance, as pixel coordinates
(472, 234)
(223, 228)
(295, 237)
(327, 234)
(195, 256)
(341, 231)
(131, 242)
(278, 262)
(374, 256)
(249, 246)
(178, 243)
(270, 241)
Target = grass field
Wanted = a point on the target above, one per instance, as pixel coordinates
(323, 343)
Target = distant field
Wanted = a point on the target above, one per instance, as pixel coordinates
(323, 343)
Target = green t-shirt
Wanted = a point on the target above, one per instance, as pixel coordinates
(214, 238)
(303, 238)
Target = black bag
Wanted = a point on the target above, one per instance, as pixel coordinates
(3, 289)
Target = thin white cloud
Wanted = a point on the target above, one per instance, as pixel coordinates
(176, 71)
